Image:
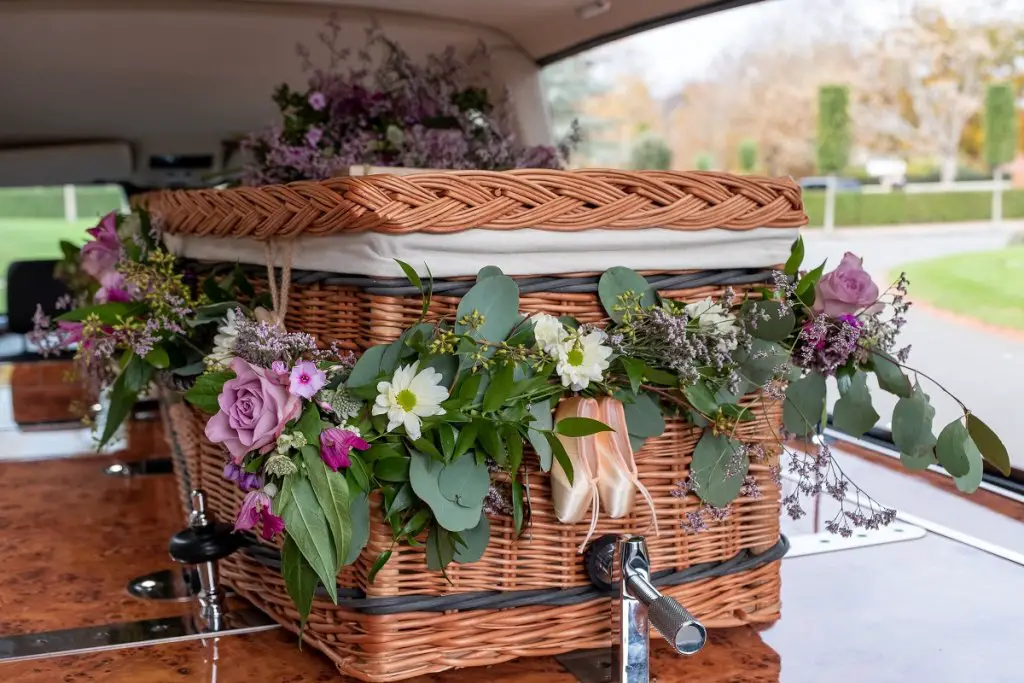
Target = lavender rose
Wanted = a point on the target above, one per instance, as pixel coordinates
(254, 409)
(101, 254)
(846, 290)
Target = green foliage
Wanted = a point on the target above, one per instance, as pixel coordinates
(1001, 124)
(853, 413)
(474, 542)
(300, 579)
(207, 387)
(912, 429)
(805, 402)
(748, 156)
(834, 128)
(956, 451)
(617, 281)
(768, 320)
(718, 468)
(580, 426)
(855, 209)
(992, 449)
(308, 527)
(650, 153)
(704, 162)
(424, 475)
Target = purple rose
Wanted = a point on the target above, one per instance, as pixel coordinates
(847, 289)
(254, 409)
(335, 445)
(101, 254)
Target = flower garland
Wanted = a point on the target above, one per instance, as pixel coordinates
(428, 421)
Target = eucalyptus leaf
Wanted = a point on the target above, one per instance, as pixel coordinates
(992, 449)
(476, 541)
(299, 578)
(718, 468)
(700, 397)
(970, 482)
(424, 475)
(768, 320)
(463, 481)
(636, 442)
(617, 281)
(643, 417)
(758, 365)
(921, 460)
(496, 298)
(952, 450)
(890, 375)
(487, 272)
(853, 413)
(331, 492)
(912, 428)
(543, 419)
(805, 401)
(368, 368)
(307, 526)
(359, 516)
(634, 371)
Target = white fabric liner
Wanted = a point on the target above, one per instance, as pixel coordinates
(516, 252)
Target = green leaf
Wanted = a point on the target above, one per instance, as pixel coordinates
(635, 372)
(428, 447)
(805, 287)
(758, 366)
(410, 273)
(542, 420)
(191, 370)
(561, 457)
(718, 468)
(212, 313)
(378, 564)
(890, 376)
(778, 325)
(853, 412)
(805, 401)
(367, 368)
(108, 313)
(517, 506)
(309, 424)
(299, 578)
(487, 435)
(359, 517)
(487, 272)
(416, 523)
(440, 549)
(158, 358)
(912, 429)
(331, 491)
(952, 451)
(464, 481)
(446, 434)
(992, 449)
(402, 500)
(475, 542)
(381, 450)
(617, 281)
(121, 401)
(643, 417)
(240, 282)
(307, 526)
(970, 482)
(580, 426)
(500, 388)
(359, 471)
(466, 438)
(655, 376)
(701, 398)
(424, 475)
(469, 386)
(137, 374)
(392, 469)
(514, 444)
(497, 300)
(796, 257)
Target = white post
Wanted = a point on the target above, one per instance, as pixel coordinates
(830, 204)
(997, 197)
(70, 204)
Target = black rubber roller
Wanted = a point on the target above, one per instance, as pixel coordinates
(681, 630)
(196, 545)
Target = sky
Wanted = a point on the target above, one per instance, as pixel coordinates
(673, 55)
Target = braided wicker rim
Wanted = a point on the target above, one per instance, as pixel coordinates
(454, 201)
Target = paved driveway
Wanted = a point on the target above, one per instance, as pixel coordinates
(985, 370)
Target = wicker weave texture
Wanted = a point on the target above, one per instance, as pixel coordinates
(454, 201)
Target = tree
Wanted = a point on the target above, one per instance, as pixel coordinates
(651, 153)
(1000, 125)
(748, 156)
(833, 149)
(704, 162)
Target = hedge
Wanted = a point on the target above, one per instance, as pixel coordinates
(894, 208)
(48, 202)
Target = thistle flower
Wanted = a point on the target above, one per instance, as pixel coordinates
(279, 465)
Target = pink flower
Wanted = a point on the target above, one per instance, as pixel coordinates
(101, 254)
(313, 137)
(70, 333)
(112, 288)
(847, 289)
(256, 508)
(254, 409)
(317, 101)
(335, 445)
(307, 379)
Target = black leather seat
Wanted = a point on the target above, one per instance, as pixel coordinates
(28, 283)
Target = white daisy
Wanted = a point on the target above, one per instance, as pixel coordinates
(714, 318)
(224, 342)
(582, 359)
(409, 397)
(549, 332)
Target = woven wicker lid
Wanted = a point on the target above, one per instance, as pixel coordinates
(454, 201)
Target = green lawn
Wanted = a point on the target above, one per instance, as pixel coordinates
(856, 209)
(987, 286)
(24, 239)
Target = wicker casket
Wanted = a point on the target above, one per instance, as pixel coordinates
(693, 235)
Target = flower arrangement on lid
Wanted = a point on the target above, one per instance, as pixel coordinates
(436, 424)
(432, 114)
